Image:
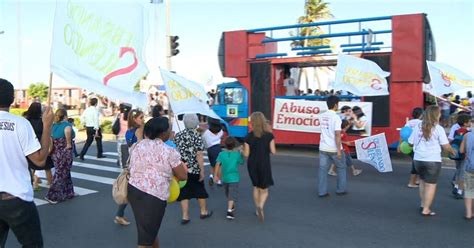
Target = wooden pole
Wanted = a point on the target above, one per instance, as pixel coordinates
(452, 103)
(50, 88)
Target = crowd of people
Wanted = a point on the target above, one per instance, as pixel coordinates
(154, 153)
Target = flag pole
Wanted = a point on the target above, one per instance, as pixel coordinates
(452, 103)
(50, 88)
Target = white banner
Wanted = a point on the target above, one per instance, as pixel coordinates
(303, 115)
(361, 77)
(446, 79)
(98, 46)
(186, 96)
(374, 150)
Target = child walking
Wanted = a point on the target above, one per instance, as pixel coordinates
(227, 170)
(455, 138)
(417, 115)
(349, 150)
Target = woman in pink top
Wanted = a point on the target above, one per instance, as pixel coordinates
(122, 148)
(152, 166)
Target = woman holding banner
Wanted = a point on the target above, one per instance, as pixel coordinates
(427, 139)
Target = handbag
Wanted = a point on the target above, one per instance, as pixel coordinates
(116, 126)
(120, 185)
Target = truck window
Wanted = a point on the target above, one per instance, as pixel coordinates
(233, 96)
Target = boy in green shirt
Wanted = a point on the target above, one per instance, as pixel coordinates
(227, 169)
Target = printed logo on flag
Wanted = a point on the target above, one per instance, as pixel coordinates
(374, 151)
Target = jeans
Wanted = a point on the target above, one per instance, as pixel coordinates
(122, 150)
(23, 218)
(325, 161)
(459, 173)
(121, 210)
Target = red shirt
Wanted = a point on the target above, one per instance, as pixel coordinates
(347, 148)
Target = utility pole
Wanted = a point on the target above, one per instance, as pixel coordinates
(168, 34)
(19, 40)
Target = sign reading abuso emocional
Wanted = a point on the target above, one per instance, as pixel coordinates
(303, 115)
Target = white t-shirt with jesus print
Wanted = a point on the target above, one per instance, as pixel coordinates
(17, 140)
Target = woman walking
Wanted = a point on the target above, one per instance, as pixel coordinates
(212, 139)
(33, 115)
(190, 147)
(61, 189)
(134, 133)
(258, 146)
(427, 139)
(152, 166)
(122, 148)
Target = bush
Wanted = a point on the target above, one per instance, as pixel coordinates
(106, 126)
(78, 124)
(17, 111)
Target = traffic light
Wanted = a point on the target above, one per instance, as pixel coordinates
(174, 45)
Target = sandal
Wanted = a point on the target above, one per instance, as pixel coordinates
(412, 185)
(207, 215)
(332, 173)
(356, 172)
(121, 221)
(184, 221)
(431, 213)
(468, 218)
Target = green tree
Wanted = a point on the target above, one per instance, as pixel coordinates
(38, 90)
(314, 10)
(137, 87)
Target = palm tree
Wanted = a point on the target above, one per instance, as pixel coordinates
(314, 10)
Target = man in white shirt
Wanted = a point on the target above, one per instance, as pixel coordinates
(90, 119)
(289, 84)
(330, 149)
(18, 141)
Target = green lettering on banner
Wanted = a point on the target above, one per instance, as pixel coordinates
(102, 53)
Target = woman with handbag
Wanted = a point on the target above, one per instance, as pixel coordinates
(152, 166)
(134, 133)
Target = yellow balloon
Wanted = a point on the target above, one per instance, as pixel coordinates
(174, 190)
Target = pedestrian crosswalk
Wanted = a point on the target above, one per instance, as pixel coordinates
(90, 174)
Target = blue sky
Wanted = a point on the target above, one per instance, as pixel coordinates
(199, 23)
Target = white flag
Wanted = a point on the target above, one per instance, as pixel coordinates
(446, 79)
(361, 77)
(98, 46)
(186, 96)
(374, 150)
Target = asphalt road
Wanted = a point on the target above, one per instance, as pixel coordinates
(379, 211)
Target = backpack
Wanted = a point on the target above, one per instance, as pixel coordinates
(456, 143)
(116, 125)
